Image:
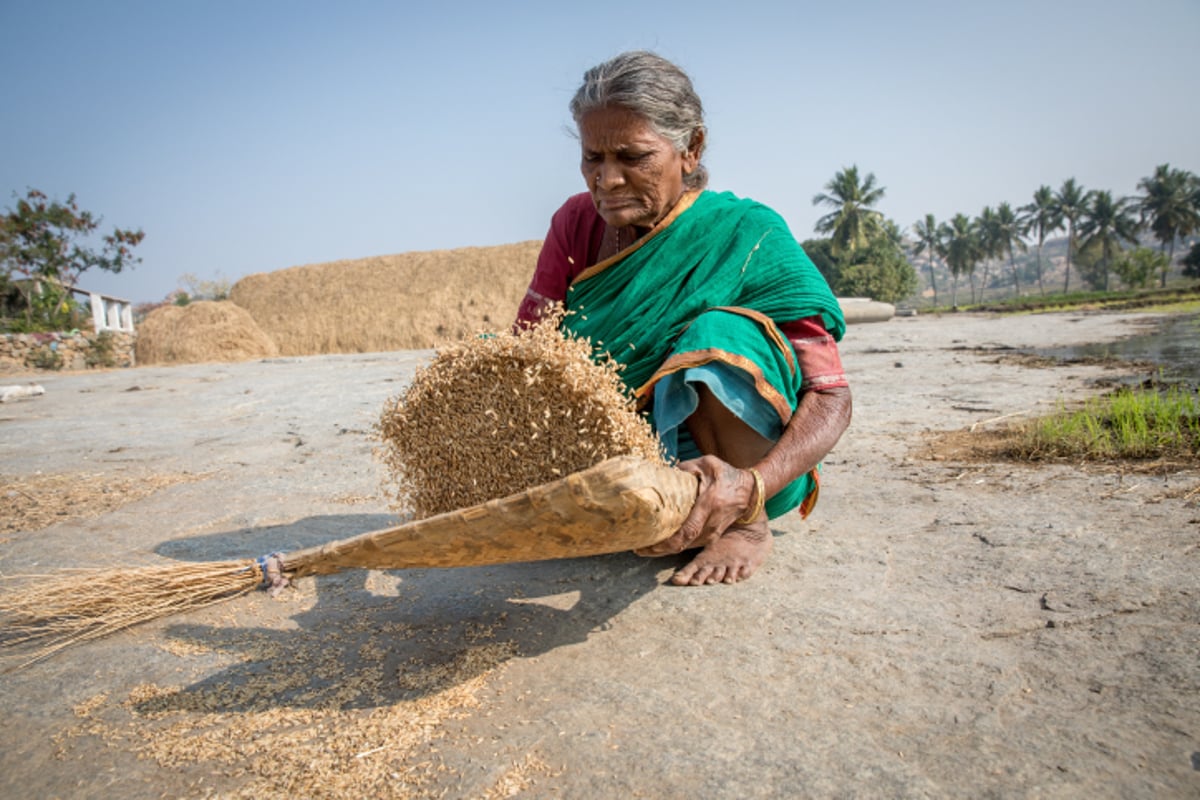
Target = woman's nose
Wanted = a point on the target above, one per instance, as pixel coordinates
(608, 175)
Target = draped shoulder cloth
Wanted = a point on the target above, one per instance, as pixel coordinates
(709, 284)
(712, 251)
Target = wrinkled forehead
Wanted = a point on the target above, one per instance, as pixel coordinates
(616, 129)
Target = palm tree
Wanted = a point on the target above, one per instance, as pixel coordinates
(1107, 223)
(960, 249)
(1008, 233)
(890, 232)
(853, 221)
(989, 244)
(1069, 204)
(1169, 205)
(929, 240)
(1041, 217)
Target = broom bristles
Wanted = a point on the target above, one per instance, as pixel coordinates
(75, 605)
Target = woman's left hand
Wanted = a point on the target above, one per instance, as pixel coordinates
(725, 494)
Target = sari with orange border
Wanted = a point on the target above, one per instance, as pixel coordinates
(698, 298)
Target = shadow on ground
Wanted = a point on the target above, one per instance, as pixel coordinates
(367, 639)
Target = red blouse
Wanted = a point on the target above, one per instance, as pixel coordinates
(572, 245)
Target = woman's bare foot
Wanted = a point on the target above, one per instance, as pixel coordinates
(733, 557)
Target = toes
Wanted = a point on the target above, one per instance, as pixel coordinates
(694, 574)
(732, 574)
(683, 575)
(729, 559)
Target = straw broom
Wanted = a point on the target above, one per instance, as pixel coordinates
(487, 418)
(620, 504)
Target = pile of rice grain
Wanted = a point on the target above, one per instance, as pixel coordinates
(203, 331)
(496, 415)
(395, 302)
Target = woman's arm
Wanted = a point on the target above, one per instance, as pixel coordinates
(820, 420)
(727, 492)
(575, 233)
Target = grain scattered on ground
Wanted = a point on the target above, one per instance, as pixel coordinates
(330, 715)
(520, 778)
(33, 502)
(351, 499)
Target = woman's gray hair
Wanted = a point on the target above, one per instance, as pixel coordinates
(651, 86)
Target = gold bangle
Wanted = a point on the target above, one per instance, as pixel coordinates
(760, 500)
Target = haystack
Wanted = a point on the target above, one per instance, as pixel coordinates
(199, 332)
(397, 302)
(493, 416)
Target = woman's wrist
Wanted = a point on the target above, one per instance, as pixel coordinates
(758, 498)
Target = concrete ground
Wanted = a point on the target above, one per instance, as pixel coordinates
(938, 627)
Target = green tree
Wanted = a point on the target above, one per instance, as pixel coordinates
(1136, 267)
(1041, 217)
(45, 249)
(1107, 222)
(5, 279)
(1191, 262)
(853, 222)
(1069, 204)
(929, 241)
(1169, 205)
(891, 232)
(1008, 234)
(879, 271)
(988, 234)
(961, 249)
(820, 251)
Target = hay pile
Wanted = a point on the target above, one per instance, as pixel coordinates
(199, 332)
(396, 302)
(489, 417)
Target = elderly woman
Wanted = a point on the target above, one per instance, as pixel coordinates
(726, 329)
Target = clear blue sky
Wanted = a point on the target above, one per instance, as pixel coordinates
(252, 136)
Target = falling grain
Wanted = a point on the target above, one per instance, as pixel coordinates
(495, 415)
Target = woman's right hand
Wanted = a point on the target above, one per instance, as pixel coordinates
(726, 492)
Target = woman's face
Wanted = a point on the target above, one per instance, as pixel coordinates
(635, 175)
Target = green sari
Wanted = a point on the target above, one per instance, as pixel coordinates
(706, 286)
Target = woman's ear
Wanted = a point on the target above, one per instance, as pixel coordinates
(695, 148)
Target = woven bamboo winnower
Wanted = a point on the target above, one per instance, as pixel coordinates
(620, 504)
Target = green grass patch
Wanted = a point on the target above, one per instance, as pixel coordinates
(1176, 299)
(1127, 424)
(1182, 307)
